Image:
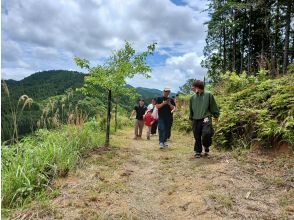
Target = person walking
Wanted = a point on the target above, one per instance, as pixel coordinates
(152, 106)
(140, 111)
(164, 105)
(202, 107)
(149, 120)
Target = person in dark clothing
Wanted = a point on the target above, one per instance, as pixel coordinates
(171, 120)
(164, 105)
(140, 111)
(202, 107)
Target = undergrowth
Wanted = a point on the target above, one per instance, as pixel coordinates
(254, 110)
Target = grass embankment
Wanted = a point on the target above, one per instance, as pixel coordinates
(29, 166)
(255, 110)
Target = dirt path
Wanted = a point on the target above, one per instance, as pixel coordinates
(137, 180)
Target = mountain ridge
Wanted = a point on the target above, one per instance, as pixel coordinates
(48, 83)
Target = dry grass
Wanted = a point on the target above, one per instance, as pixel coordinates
(137, 180)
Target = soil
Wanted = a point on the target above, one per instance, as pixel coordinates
(134, 179)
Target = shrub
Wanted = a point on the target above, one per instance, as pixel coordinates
(261, 111)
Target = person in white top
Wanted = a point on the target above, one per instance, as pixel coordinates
(154, 114)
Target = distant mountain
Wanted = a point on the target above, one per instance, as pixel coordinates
(148, 94)
(42, 85)
(49, 88)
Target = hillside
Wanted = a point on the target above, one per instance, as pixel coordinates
(42, 85)
(54, 95)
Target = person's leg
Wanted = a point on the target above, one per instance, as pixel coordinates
(136, 128)
(170, 124)
(166, 127)
(148, 132)
(154, 127)
(206, 137)
(161, 130)
(141, 125)
(197, 131)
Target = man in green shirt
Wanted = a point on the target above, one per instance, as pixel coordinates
(202, 107)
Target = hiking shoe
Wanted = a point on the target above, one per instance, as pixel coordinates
(197, 155)
(161, 145)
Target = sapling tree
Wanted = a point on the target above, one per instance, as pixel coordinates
(111, 76)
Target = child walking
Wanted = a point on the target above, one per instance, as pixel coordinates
(149, 120)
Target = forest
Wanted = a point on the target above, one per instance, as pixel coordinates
(249, 35)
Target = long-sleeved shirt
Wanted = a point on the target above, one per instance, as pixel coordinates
(203, 105)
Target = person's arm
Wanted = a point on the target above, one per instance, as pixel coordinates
(145, 113)
(172, 105)
(133, 112)
(213, 108)
(158, 106)
(174, 109)
(191, 109)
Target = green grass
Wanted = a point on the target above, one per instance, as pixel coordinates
(29, 166)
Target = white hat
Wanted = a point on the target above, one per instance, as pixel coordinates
(167, 88)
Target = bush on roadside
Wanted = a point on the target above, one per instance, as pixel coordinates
(254, 109)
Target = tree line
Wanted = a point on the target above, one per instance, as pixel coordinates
(245, 35)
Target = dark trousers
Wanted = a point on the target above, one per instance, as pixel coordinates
(170, 124)
(199, 140)
(154, 127)
(163, 125)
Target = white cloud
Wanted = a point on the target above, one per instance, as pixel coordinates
(176, 71)
(45, 34)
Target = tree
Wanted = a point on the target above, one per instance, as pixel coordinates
(287, 36)
(186, 88)
(111, 76)
(248, 35)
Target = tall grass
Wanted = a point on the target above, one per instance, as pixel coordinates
(30, 165)
(16, 110)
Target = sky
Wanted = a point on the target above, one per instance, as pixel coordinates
(44, 35)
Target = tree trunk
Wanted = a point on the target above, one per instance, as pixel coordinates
(275, 49)
(115, 115)
(292, 49)
(224, 49)
(234, 43)
(287, 35)
(108, 119)
(249, 42)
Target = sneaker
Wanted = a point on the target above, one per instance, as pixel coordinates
(161, 145)
(165, 145)
(197, 155)
(206, 154)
